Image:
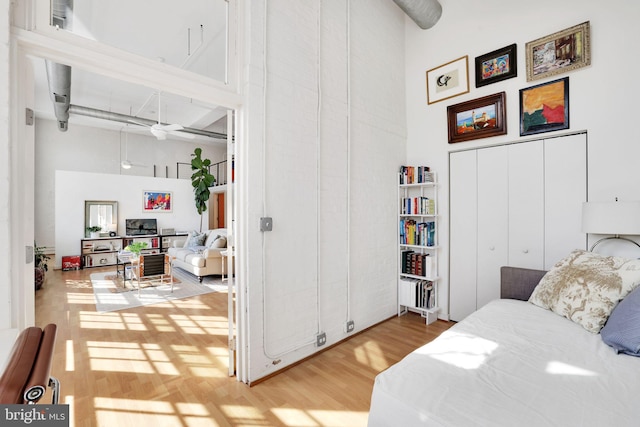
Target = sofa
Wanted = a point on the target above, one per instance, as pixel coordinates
(201, 253)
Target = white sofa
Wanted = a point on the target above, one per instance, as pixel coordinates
(201, 255)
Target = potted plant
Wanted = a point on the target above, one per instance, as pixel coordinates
(40, 262)
(94, 231)
(201, 180)
(135, 248)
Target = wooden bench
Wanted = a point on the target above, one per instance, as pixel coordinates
(27, 371)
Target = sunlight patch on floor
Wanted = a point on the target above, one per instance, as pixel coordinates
(80, 298)
(131, 412)
(117, 321)
(143, 358)
(244, 415)
(370, 354)
(69, 356)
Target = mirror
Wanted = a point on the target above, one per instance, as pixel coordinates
(102, 213)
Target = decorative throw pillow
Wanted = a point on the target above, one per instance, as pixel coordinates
(219, 242)
(585, 287)
(622, 330)
(195, 239)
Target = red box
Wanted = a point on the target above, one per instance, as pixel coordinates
(71, 262)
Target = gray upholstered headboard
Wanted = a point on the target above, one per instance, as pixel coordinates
(518, 283)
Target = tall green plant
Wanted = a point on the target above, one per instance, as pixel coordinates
(201, 180)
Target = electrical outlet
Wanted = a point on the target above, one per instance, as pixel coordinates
(350, 326)
(321, 339)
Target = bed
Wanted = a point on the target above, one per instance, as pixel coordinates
(515, 363)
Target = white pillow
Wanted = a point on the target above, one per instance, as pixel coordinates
(585, 287)
(219, 242)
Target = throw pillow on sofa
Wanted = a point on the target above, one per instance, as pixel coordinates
(195, 239)
(219, 242)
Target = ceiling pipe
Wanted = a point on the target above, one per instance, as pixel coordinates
(425, 13)
(59, 75)
(123, 118)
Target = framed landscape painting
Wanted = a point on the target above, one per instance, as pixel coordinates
(545, 107)
(157, 201)
(559, 52)
(501, 64)
(478, 118)
(448, 80)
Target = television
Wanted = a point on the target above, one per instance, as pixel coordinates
(141, 227)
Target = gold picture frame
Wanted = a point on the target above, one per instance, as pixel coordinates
(448, 80)
(559, 52)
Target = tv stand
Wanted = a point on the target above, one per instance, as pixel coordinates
(103, 251)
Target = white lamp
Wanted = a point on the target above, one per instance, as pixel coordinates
(617, 218)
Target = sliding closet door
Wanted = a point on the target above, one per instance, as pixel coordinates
(565, 191)
(462, 234)
(493, 218)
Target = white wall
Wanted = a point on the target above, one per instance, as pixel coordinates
(73, 188)
(90, 149)
(323, 159)
(6, 308)
(602, 96)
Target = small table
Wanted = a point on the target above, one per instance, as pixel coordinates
(138, 273)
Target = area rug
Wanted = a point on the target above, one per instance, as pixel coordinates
(112, 293)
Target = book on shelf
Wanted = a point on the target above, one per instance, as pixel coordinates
(417, 206)
(424, 294)
(415, 175)
(416, 264)
(417, 233)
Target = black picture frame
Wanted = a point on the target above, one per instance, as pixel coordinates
(544, 107)
(496, 66)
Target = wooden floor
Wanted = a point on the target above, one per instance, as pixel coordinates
(166, 365)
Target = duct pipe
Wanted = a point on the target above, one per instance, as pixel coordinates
(59, 78)
(425, 13)
(123, 118)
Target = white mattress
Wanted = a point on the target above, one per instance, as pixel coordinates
(510, 364)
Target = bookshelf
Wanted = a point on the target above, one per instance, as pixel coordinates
(103, 251)
(417, 242)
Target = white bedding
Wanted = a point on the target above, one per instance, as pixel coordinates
(510, 364)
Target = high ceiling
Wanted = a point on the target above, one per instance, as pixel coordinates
(190, 35)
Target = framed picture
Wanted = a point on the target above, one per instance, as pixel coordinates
(478, 118)
(448, 80)
(559, 52)
(501, 64)
(544, 107)
(157, 201)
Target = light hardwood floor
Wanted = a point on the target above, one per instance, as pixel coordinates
(166, 365)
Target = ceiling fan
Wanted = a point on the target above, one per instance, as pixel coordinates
(126, 163)
(160, 130)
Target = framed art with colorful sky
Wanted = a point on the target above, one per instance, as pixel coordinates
(544, 107)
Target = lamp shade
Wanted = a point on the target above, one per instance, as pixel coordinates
(618, 218)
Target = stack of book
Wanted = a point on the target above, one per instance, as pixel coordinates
(417, 206)
(417, 233)
(415, 175)
(417, 264)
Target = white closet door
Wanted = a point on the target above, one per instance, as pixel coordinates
(493, 217)
(526, 205)
(565, 191)
(462, 234)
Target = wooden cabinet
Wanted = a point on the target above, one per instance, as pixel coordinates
(517, 204)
